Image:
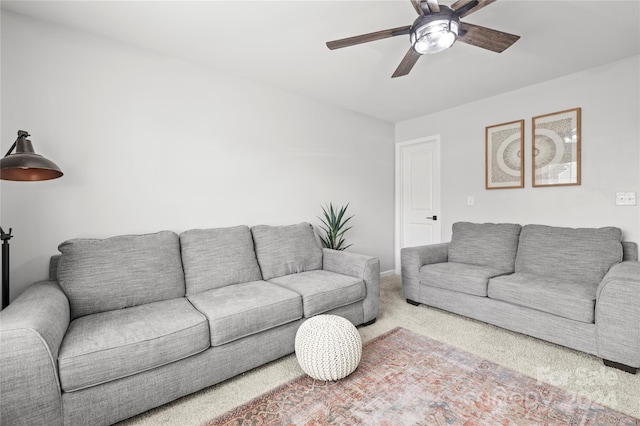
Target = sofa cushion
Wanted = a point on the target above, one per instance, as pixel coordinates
(460, 277)
(214, 258)
(120, 272)
(485, 244)
(240, 310)
(567, 254)
(323, 291)
(283, 250)
(568, 299)
(110, 345)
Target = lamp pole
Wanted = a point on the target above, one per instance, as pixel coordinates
(5, 266)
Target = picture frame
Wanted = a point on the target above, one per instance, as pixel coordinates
(556, 149)
(504, 155)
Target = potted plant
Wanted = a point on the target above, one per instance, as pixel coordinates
(333, 225)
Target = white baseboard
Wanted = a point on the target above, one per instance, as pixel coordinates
(387, 273)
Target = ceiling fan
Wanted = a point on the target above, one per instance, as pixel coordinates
(435, 30)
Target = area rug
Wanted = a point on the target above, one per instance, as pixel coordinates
(405, 378)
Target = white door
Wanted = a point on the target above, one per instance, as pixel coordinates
(417, 194)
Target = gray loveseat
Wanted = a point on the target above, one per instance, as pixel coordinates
(578, 288)
(132, 322)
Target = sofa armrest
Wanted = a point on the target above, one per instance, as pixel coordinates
(412, 259)
(360, 266)
(31, 331)
(618, 314)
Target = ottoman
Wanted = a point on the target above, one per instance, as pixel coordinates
(328, 347)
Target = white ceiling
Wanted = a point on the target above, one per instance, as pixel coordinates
(282, 43)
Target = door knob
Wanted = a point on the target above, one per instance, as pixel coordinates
(432, 217)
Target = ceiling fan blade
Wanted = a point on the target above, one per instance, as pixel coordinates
(417, 7)
(365, 38)
(485, 38)
(467, 7)
(434, 7)
(407, 63)
(458, 4)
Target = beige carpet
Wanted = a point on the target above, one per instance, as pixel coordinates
(575, 371)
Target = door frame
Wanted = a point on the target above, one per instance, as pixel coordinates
(399, 212)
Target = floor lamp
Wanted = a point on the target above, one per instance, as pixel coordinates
(22, 165)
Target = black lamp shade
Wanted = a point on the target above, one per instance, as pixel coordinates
(25, 165)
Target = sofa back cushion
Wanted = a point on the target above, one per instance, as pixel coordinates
(100, 275)
(284, 250)
(629, 251)
(583, 254)
(214, 258)
(485, 244)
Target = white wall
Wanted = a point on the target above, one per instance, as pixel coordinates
(148, 142)
(609, 98)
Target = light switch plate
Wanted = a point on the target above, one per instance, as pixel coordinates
(626, 199)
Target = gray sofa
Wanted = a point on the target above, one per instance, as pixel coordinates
(132, 322)
(578, 288)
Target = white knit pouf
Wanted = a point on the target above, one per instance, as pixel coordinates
(328, 347)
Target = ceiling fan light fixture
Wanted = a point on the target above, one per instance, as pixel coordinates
(434, 33)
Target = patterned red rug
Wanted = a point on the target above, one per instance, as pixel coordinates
(408, 379)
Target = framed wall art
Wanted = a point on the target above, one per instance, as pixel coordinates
(556, 148)
(504, 155)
